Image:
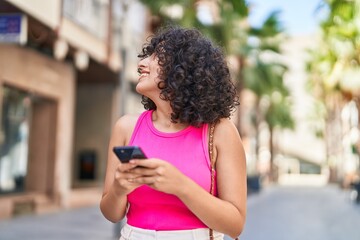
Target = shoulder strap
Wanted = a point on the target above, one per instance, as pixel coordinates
(212, 163)
(212, 159)
(211, 147)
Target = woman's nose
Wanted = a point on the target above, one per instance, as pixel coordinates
(141, 63)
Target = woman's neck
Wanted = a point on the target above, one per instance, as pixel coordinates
(161, 119)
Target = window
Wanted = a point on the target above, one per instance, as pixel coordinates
(14, 131)
(92, 15)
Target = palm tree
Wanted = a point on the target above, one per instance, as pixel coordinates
(264, 78)
(335, 66)
(277, 116)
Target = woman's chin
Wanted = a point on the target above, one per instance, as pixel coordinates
(138, 89)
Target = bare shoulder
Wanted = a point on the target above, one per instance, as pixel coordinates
(226, 129)
(127, 121)
(124, 127)
(229, 147)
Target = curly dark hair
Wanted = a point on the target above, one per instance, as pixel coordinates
(194, 76)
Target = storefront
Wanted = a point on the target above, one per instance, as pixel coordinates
(37, 96)
(59, 98)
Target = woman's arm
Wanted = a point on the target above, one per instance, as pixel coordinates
(225, 213)
(114, 199)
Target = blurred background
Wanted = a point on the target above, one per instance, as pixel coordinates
(68, 71)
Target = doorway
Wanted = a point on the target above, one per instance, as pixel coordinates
(28, 138)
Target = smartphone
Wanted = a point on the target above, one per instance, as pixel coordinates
(126, 153)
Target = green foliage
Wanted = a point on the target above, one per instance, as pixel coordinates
(339, 49)
(226, 31)
(264, 78)
(334, 63)
(271, 26)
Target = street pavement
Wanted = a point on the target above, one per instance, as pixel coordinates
(302, 213)
(276, 213)
(80, 224)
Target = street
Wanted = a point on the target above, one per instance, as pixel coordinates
(276, 213)
(79, 224)
(298, 213)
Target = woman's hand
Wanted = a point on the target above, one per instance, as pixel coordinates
(158, 174)
(123, 176)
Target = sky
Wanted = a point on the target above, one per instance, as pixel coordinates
(299, 17)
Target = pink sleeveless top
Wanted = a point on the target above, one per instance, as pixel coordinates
(188, 151)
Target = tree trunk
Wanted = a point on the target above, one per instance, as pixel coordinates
(273, 173)
(357, 102)
(239, 89)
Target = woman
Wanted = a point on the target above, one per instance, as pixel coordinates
(186, 86)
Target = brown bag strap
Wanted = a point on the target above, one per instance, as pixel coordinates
(212, 164)
(212, 160)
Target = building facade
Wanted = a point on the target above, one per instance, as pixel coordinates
(61, 79)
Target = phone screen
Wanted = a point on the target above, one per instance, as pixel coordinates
(126, 153)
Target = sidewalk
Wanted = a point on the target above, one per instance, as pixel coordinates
(298, 213)
(80, 224)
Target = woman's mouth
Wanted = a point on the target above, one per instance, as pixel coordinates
(144, 74)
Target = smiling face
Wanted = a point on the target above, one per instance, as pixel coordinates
(148, 69)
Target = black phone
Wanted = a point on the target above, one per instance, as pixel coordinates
(126, 153)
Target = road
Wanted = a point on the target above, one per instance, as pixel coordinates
(276, 213)
(80, 224)
(298, 213)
